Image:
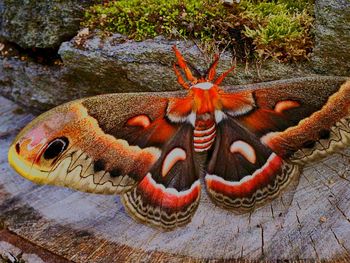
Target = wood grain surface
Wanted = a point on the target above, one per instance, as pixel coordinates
(309, 222)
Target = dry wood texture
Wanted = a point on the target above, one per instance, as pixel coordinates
(310, 221)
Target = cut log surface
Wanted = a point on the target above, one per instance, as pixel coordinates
(309, 221)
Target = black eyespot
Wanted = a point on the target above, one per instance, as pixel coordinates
(55, 148)
(99, 165)
(309, 144)
(325, 134)
(115, 173)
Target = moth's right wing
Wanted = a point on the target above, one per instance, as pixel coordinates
(287, 124)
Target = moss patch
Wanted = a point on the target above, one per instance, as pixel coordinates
(254, 29)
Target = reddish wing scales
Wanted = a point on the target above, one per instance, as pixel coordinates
(235, 182)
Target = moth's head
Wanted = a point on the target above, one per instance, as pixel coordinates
(196, 79)
(41, 143)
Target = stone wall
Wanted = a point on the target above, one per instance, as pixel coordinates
(91, 65)
(111, 65)
(40, 23)
(332, 31)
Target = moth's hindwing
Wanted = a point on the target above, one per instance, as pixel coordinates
(243, 172)
(291, 123)
(169, 195)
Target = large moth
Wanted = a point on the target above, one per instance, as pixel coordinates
(144, 146)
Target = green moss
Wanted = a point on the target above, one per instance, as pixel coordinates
(149, 18)
(279, 29)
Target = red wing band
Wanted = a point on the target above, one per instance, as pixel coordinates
(162, 207)
(265, 183)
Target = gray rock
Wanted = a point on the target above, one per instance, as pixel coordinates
(40, 23)
(116, 65)
(33, 85)
(332, 30)
(147, 66)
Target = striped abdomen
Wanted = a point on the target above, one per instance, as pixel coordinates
(204, 135)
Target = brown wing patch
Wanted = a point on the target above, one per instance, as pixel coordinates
(333, 117)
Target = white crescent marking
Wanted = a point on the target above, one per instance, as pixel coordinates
(175, 155)
(244, 149)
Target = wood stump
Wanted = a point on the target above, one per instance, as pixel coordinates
(310, 221)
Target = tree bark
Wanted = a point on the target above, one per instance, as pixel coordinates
(310, 221)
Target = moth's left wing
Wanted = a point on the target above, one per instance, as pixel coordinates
(108, 144)
(102, 144)
(289, 123)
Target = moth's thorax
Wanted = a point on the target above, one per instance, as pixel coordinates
(206, 98)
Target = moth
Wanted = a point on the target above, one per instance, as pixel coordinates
(144, 146)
